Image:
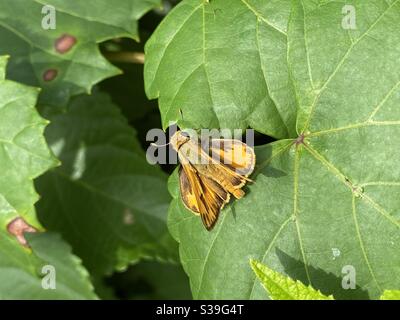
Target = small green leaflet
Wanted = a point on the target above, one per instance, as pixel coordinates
(391, 295)
(281, 287)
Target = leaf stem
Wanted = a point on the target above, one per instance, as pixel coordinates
(125, 56)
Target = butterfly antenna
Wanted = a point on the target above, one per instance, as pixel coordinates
(160, 145)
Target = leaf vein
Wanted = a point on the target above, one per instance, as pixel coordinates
(295, 210)
(364, 252)
(166, 46)
(341, 62)
(206, 259)
(263, 72)
(387, 96)
(306, 47)
(258, 15)
(276, 236)
(343, 178)
(355, 126)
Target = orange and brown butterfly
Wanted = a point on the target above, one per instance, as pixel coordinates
(211, 172)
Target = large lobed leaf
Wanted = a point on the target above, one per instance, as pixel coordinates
(223, 64)
(78, 65)
(105, 199)
(24, 155)
(329, 198)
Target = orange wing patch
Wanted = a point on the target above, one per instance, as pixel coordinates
(189, 186)
(207, 198)
(234, 154)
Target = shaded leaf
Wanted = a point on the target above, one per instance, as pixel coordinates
(152, 280)
(105, 199)
(65, 61)
(23, 273)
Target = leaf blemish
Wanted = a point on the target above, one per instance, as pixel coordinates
(335, 253)
(18, 227)
(64, 43)
(128, 217)
(50, 75)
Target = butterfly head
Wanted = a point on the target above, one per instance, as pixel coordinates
(178, 139)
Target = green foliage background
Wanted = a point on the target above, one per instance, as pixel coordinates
(324, 101)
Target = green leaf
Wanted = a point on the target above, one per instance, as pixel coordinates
(24, 279)
(390, 295)
(105, 199)
(223, 63)
(281, 287)
(34, 49)
(324, 207)
(23, 273)
(24, 155)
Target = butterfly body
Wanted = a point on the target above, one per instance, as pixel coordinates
(211, 172)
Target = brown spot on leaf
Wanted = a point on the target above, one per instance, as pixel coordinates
(64, 43)
(128, 217)
(50, 74)
(18, 227)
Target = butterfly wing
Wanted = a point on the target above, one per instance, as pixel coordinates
(234, 154)
(189, 187)
(202, 195)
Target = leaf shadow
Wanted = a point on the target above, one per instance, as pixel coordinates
(233, 212)
(89, 198)
(263, 165)
(327, 283)
(274, 173)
